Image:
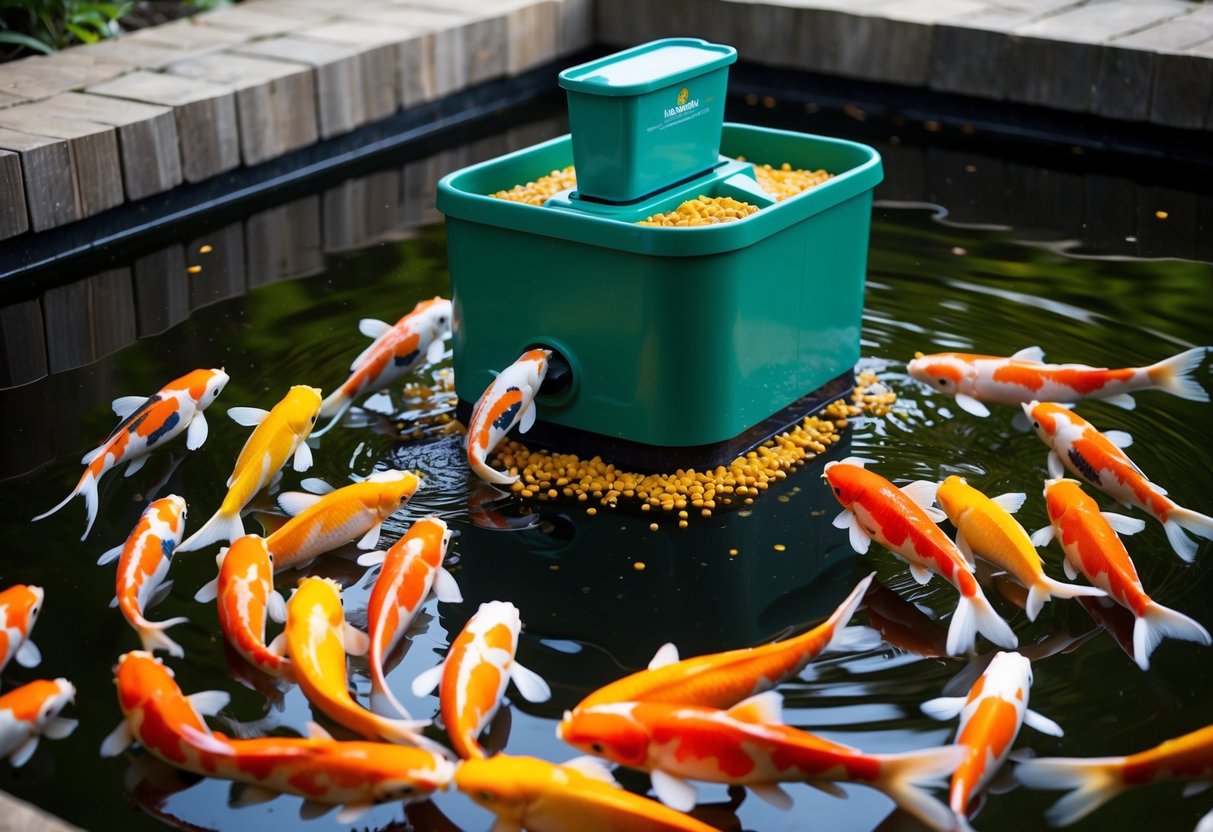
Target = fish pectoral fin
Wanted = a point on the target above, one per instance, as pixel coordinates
(673, 791)
(843, 520)
(761, 709)
(250, 795)
(527, 418)
(1011, 502)
(962, 543)
(278, 645)
(208, 592)
(1056, 468)
(1119, 438)
(372, 558)
(24, 751)
(1070, 571)
(114, 603)
(594, 768)
(1122, 400)
(922, 494)
(117, 740)
(371, 538)
(1122, 524)
(160, 594)
(124, 406)
(197, 432)
(666, 654)
(295, 503)
(1035, 354)
(373, 327)
(446, 589)
(209, 702)
(28, 654)
(351, 812)
(60, 727)
(356, 642)
(1042, 723)
(943, 707)
(316, 732)
(312, 809)
(315, 485)
(773, 794)
(971, 405)
(921, 574)
(1042, 536)
(134, 465)
(827, 787)
(435, 351)
(303, 458)
(276, 607)
(110, 555)
(427, 681)
(1196, 788)
(248, 417)
(530, 684)
(501, 824)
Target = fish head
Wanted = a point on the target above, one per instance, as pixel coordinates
(506, 785)
(140, 676)
(610, 731)
(171, 511)
(436, 314)
(954, 495)
(396, 487)
(535, 364)
(1009, 675)
(302, 408)
(846, 479)
(212, 385)
(1046, 418)
(23, 603)
(1060, 494)
(60, 694)
(942, 372)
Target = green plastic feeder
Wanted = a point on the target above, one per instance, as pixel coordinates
(680, 347)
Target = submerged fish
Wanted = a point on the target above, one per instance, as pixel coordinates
(1023, 377)
(30, 712)
(19, 608)
(146, 423)
(508, 401)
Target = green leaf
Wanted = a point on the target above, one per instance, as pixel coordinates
(83, 34)
(26, 41)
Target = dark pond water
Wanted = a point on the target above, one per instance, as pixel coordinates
(283, 293)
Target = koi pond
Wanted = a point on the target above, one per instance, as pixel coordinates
(970, 252)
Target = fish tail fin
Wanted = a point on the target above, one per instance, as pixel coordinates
(1092, 782)
(408, 732)
(975, 615)
(86, 487)
(1181, 519)
(333, 408)
(1176, 374)
(905, 778)
(221, 526)
(492, 475)
(384, 702)
(843, 637)
(1160, 622)
(1047, 589)
(152, 634)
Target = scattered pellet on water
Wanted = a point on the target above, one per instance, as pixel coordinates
(779, 547)
(744, 513)
(194, 269)
(652, 527)
(638, 566)
(206, 249)
(784, 498)
(683, 515)
(959, 251)
(682, 524)
(591, 511)
(1162, 215)
(555, 567)
(768, 102)
(733, 552)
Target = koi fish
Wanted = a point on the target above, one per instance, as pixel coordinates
(904, 625)
(1097, 780)
(30, 712)
(721, 680)
(533, 794)
(278, 435)
(899, 520)
(1098, 459)
(1088, 538)
(1023, 377)
(990, 719)
(396, 351)
(411, 568)
(143, 562)
(19, 608)
(147, 423)
(318, 639)
(321, 523)
(984, 526)
(478, 666)
(508, 401)
(246, 594)
(748, 745)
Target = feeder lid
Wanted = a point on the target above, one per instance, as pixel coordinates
(648, 67)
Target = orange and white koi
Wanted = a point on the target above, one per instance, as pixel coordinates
(147, 423)
(1097, 780)
(721, 680)
(396, 350)
(478, 666)
(985, 527)
(528, 793)
(1098, 459)
(246, 595)
(143, 562)
(411, 568)
(508, 401)
(30, 712)
(1023, 377)
(278, 434)
(321, 523)
(901, 520)
(317, 641)
(1092, 547)
(19, 608)
(990, 719)
(748, 745)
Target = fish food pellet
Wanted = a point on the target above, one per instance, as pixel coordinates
(591, 511)
(194, 269)
(779, 547)
(542, 189)
(652, 527)
(732, 552)
(785, 180)
(205, 249)
(638, 566)
(705, 210)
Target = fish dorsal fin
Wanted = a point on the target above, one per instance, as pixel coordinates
(1042, 724)
(356, 642)
(316, 732)
(117, 740)
(673, 791)
(362, 356)
(1122, 524)
(530, 684)
(762, 709)
(209, 702)
(315, 485)
(295, 503)
(971, 405)
(944, 707)
(248, 417)
(206, 741)
(124, 406)
(1010, 503)
(1035, 354)
(373, 328)
(594, 768)
(666, 654)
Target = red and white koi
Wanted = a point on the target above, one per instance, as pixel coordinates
(1088, 538)
(321, 523)
(147, 423)
(19, 608)
(747, 745)
(246, 595)
(317, 641)
(396, 350)
(1097, 458)
(1023, 377)
(279, 434)
(990, 718)
(508, 401)
(31, 712)
(478, 666)
(411, 568)
(1097, 780)
(721, 680)
(901, 520)
(143, 562)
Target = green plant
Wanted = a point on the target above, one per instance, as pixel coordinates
(47, 25)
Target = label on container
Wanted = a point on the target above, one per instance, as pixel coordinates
(685, 109)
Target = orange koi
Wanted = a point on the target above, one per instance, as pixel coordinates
(721, 680)
(747, 745)
(143, 562)
(1097, 780)
(396, 351)
(1097, 458)
(985, 527)
(279, 434)
(508, 401)
(145, 424)
(990, 719)
(19, 608)
(478, 666)
(411, 568)
(1092, 547)
(321, 523)
(1023, 377)
(30, 712)
(902, 522)
(528, 793)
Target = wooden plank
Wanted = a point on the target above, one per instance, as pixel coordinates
(361, 211)
(14, 219)
(186, 34)
(139, 55)
(22, 343)
(419, 191)
(466, 44)
(88, 319)
(46, 171)
(383, 43)
(162, 291)
(219, 256)
(275, 101)
(259, 20)
(43, 76)
(205, 114)
(284, 242)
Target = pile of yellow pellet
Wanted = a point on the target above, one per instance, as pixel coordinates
(704, 210)
(787, 181)
(428, 411)
(542, 189)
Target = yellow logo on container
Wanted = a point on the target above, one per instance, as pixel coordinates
(683, 95)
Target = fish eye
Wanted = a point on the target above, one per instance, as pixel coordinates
(598, 748)
(484, 797)
(943, 382)
(1036, 424)
(838, 490)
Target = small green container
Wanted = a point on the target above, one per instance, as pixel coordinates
(647, 117)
